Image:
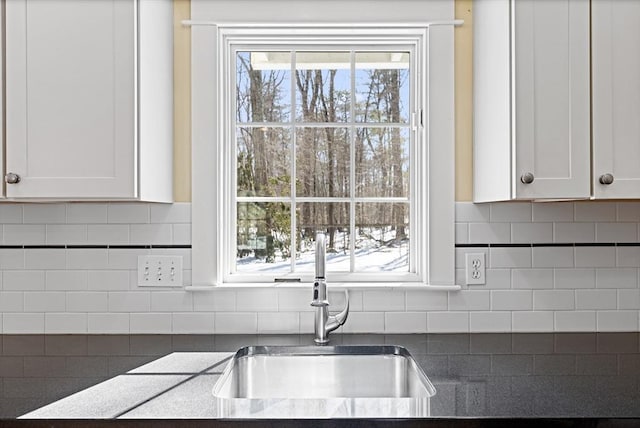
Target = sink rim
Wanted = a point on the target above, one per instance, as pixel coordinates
(317, 350)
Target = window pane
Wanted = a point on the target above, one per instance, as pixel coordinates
(331, 218)
(382, 237)
(322, 162)
(263, 86)
(263, 237)
(323, 86)
(263, 161)
(382, 162)
(382, 87)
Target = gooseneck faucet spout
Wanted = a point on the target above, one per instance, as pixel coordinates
(324, 323)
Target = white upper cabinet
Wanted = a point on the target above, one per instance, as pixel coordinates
(531, 100)
(89, 99)
(616, 98)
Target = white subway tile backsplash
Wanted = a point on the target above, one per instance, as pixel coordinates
(171, 301)
(532, 322)
(482, 233)
(617, 321)
(150, 323)
(364, 322)
(82, 301)
(373, 301)
(629, 211)
(24, 234)
(528, 288)
(574, 232)
(532, 278)
(531, 233)
(484, 322)
(553, 212)
(151, 234)
(511, 300)
(616, 232)
(511, 212)
(470, 212)
(22, 280)
(461, 233)
(216, 301)
(44, 301)
(108, 280)
(575, 321)
(426, 300)
(87, 258)
(108, 323)
(50, 259)
(111, 234)
(66, 234)
(544, 300)
(470, 300)
(510, 257)
(498, 279)
(595, 211)
(128, 213)
(193, 323)
(86, 213)
(181, 234)
(129, 301)
(448, 322)
(405, 322)
(575, 278)
(552, 257)
(629, 299)
(595, 257)
(278, 323)
(10, 213)
(596, 299)
(11, 258)
(236, 322)
(253, 300)
(65, 323)
(171, 213)
(11, 301)
(44, 213)
(628, 257)
(23, 323)
(617, 278)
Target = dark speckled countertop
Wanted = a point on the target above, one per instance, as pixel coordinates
(570, 376)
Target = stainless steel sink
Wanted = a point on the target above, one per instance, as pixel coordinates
(322, 382)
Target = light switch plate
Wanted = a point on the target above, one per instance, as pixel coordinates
(160, 271)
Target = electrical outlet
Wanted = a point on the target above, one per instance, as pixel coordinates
(160, 271)
(475, 269)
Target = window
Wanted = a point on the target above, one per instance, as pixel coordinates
(299, 129)
(325, 140)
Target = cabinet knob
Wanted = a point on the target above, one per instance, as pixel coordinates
(606, 178)
(12, 178)
(527, 178)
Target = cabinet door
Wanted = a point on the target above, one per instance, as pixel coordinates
(616, 97)
(551, 132)
(70, 98)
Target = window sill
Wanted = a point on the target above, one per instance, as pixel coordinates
(387, 286)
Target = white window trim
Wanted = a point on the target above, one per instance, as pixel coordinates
(207, 191)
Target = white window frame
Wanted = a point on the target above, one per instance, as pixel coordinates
(435, 253)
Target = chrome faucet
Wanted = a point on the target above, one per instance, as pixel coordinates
(324, 323)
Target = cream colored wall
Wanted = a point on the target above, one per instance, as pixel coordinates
(182, 101)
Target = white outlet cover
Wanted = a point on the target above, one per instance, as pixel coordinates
(160, 271)
(475, 269)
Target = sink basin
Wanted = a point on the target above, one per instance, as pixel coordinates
(323, 382)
